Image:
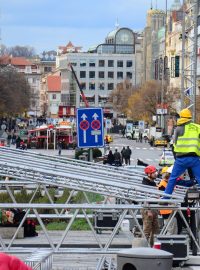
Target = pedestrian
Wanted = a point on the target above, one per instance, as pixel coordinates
(150, 216)
(14, 138)
(165, 213)
(127, 156)
(186, 149)
(140, 137)
(122, 154)
(9, 139)
(117, 158)
(9, 262)
(59, 147)
(123, 132)
(110, 158)
(18, 141)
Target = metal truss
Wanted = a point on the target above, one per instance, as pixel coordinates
(189, 54)
(75, 175)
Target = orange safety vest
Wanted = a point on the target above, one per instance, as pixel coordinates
(163, 183)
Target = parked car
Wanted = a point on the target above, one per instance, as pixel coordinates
(160, 142)
(108, 138)
(167, 158)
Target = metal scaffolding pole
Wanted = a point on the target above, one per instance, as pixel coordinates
(189, 55)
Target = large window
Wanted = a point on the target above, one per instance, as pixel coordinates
(110, 63)
(92, 63)
(101, 74)
(101, 63)
(82, 74)
(110, 86)
(82, 63)
(110, 74)
(92, 74)
(129, 75)
(92, 86)
(119, 75)
(101, 86)
(129, 63)
(119, 63)
(83, 85)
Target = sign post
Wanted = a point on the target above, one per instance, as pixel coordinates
(90, 133)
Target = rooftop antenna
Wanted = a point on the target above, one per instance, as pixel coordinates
(151, 5)
(156, 5)
(117, 24)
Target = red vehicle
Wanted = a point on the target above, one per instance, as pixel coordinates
(47, 137)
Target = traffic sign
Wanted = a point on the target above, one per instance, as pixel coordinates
(90, 127)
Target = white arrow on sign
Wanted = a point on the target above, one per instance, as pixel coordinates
(95, 116)
(84, 116)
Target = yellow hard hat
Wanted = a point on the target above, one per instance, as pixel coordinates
(164, 170)
(185, 113)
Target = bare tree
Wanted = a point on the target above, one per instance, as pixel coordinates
(15, 92)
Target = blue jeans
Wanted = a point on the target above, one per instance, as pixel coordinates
(180, 166)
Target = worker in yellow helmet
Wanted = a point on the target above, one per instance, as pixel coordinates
(186, 148)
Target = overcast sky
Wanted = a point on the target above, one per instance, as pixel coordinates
(46, 24)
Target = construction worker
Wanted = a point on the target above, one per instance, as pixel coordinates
(173, 227)
(149, 216)
(186, 148)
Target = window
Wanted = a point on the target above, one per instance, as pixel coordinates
(110, 74)
(101, 74)
(92, 86)
(119, 75)
(53, 96)
(82, 74)
(74, 64)
(83, 85)
(101, 63)
(110, 86)
(47, 69)
(110, 63)
(129, 75)
(101, 86)
(119, 63)
(92, 74)
(129, 63)
(82, 63)
(92, 63)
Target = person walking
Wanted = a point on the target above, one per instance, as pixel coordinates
(110, 158)
(127, 156)
(117, 158)
(186, 149)
(123, 154)
(59, 147)
(149, 216)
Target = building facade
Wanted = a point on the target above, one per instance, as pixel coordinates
(104, 66)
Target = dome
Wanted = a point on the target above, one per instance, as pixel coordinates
(112, 33)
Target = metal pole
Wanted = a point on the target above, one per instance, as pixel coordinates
(183, 60)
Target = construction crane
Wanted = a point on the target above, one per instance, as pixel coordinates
(80, 87)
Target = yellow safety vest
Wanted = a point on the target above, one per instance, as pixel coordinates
(163, 183)
(190, 141)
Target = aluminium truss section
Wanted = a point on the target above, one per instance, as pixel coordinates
(97, 173)
(189, 54)
(76, 181)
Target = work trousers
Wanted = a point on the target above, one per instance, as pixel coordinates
(150, 225)
(180, 166)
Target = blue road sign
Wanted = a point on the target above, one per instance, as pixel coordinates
(90, 127)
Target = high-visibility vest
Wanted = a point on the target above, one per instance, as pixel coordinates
(190, 141)
(163, 183)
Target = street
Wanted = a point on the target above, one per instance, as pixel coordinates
(143, 151)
